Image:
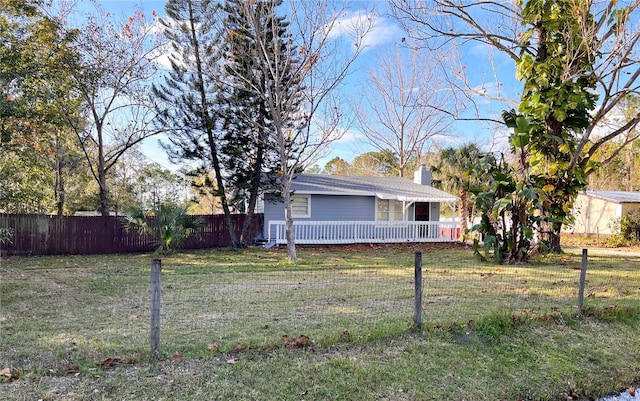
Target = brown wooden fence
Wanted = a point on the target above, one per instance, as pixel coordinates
(50, 235)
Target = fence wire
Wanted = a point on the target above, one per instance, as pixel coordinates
(259, 308)
(56, 313)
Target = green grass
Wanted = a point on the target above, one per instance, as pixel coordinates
(77, 327)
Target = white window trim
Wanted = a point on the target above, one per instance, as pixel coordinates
(298, 215)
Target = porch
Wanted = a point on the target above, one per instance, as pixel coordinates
(359, 232)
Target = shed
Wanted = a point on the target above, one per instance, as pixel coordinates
(595, 211)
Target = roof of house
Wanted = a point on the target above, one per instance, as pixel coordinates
(616, 196)
(396, 188)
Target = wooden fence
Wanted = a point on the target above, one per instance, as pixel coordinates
(50, 235)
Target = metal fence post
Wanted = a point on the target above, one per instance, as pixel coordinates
(417, 314)
(583, 275)
(156, 268)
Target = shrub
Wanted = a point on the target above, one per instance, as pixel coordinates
(169, 222)
(624, 229)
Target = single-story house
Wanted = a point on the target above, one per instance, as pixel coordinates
(594, 211)
(334, 209)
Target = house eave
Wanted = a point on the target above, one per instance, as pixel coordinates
(405, 198)
(381, 195)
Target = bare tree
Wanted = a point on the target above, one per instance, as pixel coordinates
(403, 101)
(302, 62)
(496, 26)
(600, 50)
(116, 63)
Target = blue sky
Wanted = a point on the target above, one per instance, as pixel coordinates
(386, 36)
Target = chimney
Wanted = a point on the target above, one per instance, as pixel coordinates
(422, 176)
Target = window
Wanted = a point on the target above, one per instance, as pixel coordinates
(382, 209)
(392, 210)
(397, 211)
(301, 206)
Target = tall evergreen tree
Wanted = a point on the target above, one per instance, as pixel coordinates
(264, 70)
(189, 104)
(251, 156)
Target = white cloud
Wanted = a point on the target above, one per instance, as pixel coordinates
(351, 24)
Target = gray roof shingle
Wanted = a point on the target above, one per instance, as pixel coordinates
(397, 188)
(616, 196)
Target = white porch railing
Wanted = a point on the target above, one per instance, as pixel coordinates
(358, 232)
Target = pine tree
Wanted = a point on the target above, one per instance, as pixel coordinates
(252, 160)
(270, 71)
(190, 97)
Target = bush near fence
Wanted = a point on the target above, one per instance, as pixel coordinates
(84, 235)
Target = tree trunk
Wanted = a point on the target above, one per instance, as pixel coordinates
(59, 190)
(550, 235)
(464, 213)
(290, 234)
(253, 197)
(104, 196)
(221, 192)
(102, 175)
(553, 238)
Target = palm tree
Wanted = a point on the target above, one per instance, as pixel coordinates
(455, 172)
(169, 222)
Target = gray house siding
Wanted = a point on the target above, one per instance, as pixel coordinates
(372, 207)
(325, 208)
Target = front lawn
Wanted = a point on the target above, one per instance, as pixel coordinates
(335, 325)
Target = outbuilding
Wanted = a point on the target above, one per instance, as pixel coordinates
(596, 211)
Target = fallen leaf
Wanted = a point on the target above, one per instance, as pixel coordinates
(3, 319)
(231, 361)
(176, 357)
(72, 370)
(108, 362)
(302, 341)
(213, 347)
(237, 348)
(5, 372)
(133, 317)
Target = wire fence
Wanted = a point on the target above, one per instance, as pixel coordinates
(57, 311)
(237, 310)
(245, 309)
